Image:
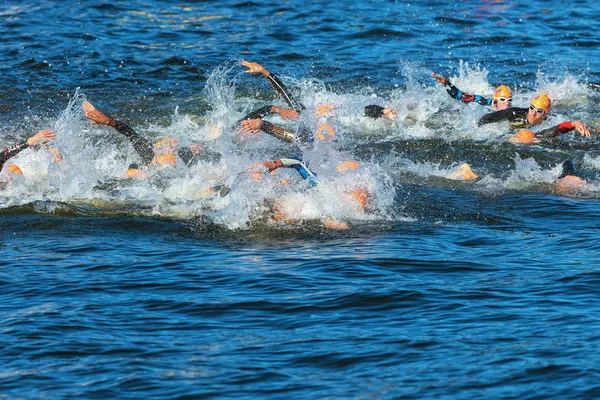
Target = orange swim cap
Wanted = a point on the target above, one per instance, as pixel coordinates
(14, 169)
(325, 133)
(524, 136)
(502, 91)
(166, 146)
(165, 159)
(463, 173)
(347, 165)
(569, 183)
(361, 196)
(542, 101)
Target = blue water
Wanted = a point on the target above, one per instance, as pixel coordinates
(440, 289)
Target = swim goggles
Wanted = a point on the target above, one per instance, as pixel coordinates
(537, 110)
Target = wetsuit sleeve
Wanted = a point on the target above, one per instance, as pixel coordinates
(11, 152)
(302, 169)
(283, 92)
(280, 133)
(556, 130)
(458, 94)
(260, 113)
(190, 159)
(140, 144)
(374, 111)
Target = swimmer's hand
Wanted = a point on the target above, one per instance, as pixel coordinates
(251, 126)
(96, 116)
(441, 79)
(581, 128)
(323, 110)
(197, 150)
(255, 68)
(390, 113)
(286, 113)
(42, 135)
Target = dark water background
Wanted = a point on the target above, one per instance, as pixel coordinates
(453, 291)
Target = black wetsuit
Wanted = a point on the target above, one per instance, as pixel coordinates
(282, 91)
(11, 152)
(458, 94)
(517, 116)
(144, 148)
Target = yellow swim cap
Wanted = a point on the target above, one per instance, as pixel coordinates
(524, 136)
(542, 101)
(502, 91)
(14, 169)
(166, 146)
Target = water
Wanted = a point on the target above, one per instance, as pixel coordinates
(440, 289)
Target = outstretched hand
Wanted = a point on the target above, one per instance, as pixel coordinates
(254, 68)
(96, 116)
(581, 128)
(251, 126)
(441, 79)
(38, 137)
(390, 113)
(287, 113)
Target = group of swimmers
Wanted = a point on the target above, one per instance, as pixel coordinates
(168, 152)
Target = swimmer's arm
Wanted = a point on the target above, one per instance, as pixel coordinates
(280, 133)
(563, 128)
(191, 155)
(458, 94)
(374, 111)
(11, 152)
(140, 144)
(283, 92)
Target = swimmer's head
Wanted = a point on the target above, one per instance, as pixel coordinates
(524, 136)
(569, 184)
(325, 133)
(502, 98)
(463, 173)
(539, 108)
(14, 169)
(361, 196)
(347, 166)
(166, 146)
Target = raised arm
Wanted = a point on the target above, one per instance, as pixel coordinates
(279, 87)
(458, 94)
(19, 147)
(142, 146)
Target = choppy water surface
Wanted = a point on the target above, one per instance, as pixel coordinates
(439, 289)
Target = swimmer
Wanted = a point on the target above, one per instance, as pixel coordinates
(360, 196)
(501, 99)
(282, 91)
(375, 111)
(538, 112)
(164, 152)
(16, 149)
(463, 173)
(569, 181)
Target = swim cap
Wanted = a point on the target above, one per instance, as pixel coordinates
(569, 183)
(166, 146)
(524, 136)
(325, 133)
(361, 196)
(165, 159)
(502, 91)
(14, 169)
(347, 165)
(542, 101)
(463, 173)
